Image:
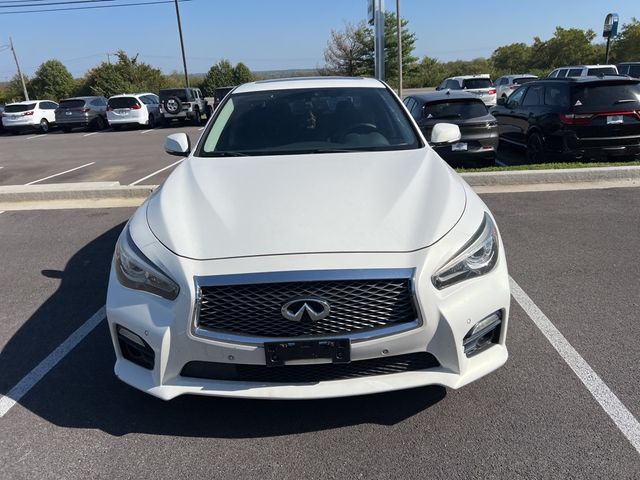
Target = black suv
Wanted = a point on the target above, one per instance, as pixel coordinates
(576, 118)
(182, 104)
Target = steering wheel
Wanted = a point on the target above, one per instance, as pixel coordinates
(357, 128)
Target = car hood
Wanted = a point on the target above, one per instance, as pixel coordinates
(212, 208)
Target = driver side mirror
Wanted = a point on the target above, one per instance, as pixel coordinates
(177, 144)
(444, 133)
(501, 101)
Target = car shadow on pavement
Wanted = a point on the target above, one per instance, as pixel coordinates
(83, 392)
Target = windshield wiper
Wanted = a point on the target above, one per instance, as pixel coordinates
(228, 154)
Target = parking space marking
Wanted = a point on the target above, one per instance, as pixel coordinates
(38, 136)
(34, 376)
(610, 403)
(155, 173)
(89, 134)
(200, 129)
(61, 173)
(146, 131)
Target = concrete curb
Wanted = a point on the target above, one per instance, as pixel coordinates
(567, 175)
(73, 191)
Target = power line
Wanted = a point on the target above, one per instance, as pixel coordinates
(53, 3)
(91, 8)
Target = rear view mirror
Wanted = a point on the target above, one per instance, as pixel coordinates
(177, 144)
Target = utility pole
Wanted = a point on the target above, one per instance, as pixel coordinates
(399, 27)
(378, 22)
(15, 57)
(184, 59)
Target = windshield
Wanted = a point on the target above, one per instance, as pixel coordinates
(523, 80)
(72, 104)
(477, 83)
(459, 109)
(309, 121)
(181, 93)
(607, 97)
(21, 107)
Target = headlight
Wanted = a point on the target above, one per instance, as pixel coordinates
(476, 258)
(136, 271)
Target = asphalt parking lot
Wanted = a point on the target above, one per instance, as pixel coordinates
(574, 253)
(131, 156)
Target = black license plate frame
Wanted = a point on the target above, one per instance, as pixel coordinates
(336, 350)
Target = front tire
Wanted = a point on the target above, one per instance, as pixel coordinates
(151, 123)
(100, 124)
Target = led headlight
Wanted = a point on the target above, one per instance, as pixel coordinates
(136, 271)
(476, 258)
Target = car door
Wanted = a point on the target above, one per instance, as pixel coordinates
(48, 111)
(506, 115)
(529, 114)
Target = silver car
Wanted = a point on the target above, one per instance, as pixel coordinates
(83, 112)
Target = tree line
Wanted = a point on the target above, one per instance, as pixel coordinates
(127, 74)
(350, 52)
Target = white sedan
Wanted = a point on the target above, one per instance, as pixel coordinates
(311, 245)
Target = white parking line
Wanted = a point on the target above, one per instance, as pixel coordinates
(146, 131)
(610, 403)
(61, 173)
(155, 173)
(200, 129)
(89, 134)
(38, 136)
(34, 376)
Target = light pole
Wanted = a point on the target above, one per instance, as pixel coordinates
(399, 27)
(184, 59)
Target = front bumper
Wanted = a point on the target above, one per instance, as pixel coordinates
(447, 316)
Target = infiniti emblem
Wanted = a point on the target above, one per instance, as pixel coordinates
(315, 309)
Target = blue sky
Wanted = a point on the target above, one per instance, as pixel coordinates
(279, 34)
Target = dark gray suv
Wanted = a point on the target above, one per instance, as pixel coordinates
(84, 112)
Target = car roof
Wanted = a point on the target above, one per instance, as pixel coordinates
(131, 95)
(27, 102)
(441, 95)
(629, 63)
(88, 97)
(584, 66)
(467, 77)
(520, 75)
(591, 79)
(309, 82)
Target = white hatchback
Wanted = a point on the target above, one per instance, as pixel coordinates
(133, 109)
(29, 115)
(311, 245)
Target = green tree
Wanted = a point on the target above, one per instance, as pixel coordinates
(219, 75)
(13, 90)
(242, 74)
(571, 46)
(346, 53)
(52, 81)
(513, 58)
(125, 76)
(626, 47)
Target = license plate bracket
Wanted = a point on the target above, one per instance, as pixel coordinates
(278, 353)
(615, 119)
(459, 147)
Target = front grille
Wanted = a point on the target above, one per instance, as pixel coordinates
(310, 373)
(356, 305)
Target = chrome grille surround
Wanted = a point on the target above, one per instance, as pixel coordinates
(385, 286)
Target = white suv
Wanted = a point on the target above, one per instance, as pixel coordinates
(507, 84)
(133, 109)
(30, 115)
(479, 85)
(584, 71)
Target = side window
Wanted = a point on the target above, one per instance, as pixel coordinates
(574, 72)
(562, 73)
(534, 96)
(556, 96)
(145, 99)
(515, 100)
(415, 109)
(453, 85)
(443, 85)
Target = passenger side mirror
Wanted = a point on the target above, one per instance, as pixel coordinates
(501, 101)
(443, 133)
(177, 144)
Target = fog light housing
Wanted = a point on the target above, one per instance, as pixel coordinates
(134, 348)
(483, 334)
